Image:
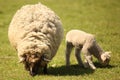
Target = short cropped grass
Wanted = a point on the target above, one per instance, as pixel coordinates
(99, 17)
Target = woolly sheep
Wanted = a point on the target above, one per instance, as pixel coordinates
(86, 43)
(36, 33)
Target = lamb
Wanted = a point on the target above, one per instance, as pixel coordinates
(36, 33)
(86, 43)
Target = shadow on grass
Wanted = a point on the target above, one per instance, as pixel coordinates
(72, 70)
(98, 65)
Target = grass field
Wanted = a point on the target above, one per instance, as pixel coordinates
(99, 17)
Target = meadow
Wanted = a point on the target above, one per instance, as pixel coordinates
(99, 17)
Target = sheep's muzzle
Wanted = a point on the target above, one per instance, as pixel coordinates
(33, 63)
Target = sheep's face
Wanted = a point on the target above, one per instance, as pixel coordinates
(105, 58)
(32, 63)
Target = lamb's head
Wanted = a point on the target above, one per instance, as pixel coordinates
(33, 62)
(105, 57)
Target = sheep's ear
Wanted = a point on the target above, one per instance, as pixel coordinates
(47, 60)
(44, 58)
(22, 60)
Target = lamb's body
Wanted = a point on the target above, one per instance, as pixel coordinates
(35, 29)
(85, 42)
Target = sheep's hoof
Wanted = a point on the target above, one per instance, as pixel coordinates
(45, 72)
(32, 74)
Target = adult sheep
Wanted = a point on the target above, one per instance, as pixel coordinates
(36, 33)
(87, 43)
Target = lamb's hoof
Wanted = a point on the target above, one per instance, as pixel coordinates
(86, 65)
(67, 65)
(81, 65)
(94, 68)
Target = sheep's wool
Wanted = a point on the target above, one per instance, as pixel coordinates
(35, 28)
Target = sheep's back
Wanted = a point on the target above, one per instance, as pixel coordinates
(38, 22)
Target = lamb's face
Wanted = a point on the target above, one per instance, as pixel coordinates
(105, 58)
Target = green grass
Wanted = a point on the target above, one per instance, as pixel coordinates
(99, 17)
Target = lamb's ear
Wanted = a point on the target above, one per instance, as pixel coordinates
(108, 54)
(103, 57)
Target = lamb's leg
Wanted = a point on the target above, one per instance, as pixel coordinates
(86, 64)
(69, 47)
(78, 56)
(89, 62)
(88, 56)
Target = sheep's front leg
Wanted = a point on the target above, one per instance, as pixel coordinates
(78, 56)
(69, 47)
(89, 62)
(45, 69)
(26, 65)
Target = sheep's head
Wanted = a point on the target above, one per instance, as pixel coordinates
(33, 62)
(105, 57)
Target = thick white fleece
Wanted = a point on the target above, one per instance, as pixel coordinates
(35, 28)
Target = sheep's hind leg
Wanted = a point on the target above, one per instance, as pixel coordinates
(69, 47)
(78, 56)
